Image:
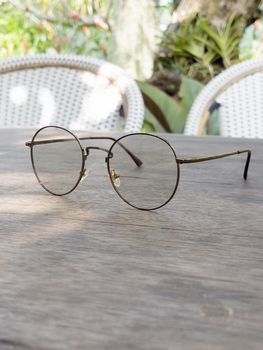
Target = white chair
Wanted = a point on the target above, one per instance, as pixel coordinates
(75, 92)
(239, 91)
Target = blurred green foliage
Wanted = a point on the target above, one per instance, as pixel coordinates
(199, 50)
(19, 36)
(173, 111)
(24, 32)
(251, 45)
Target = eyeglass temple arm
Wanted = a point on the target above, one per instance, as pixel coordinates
(217, 156)
(136, 160)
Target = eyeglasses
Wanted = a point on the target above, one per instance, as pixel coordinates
(143, 168)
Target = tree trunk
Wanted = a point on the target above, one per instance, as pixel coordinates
(135, 30)
(217, 11)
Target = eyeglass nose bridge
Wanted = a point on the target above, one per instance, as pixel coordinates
(110, 155)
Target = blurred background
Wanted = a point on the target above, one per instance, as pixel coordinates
(172, 48)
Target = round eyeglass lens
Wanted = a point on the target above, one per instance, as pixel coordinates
(57, 160)
(150, 183)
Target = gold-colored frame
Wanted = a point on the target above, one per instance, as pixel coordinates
(138, 162)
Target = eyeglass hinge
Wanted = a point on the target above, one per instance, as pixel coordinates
(180, 161)
(28, 144)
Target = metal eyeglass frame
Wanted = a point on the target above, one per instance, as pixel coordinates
(85, 152)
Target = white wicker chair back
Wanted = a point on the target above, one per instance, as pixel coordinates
(75, 92)
(239, 91)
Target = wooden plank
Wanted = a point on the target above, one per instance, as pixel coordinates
(86, 271)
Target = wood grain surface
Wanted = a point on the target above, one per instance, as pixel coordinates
(87, 271)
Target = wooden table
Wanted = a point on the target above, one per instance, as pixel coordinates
(86, 271)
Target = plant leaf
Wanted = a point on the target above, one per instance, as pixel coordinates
(189, 89)
(170, 109)
(175, 113)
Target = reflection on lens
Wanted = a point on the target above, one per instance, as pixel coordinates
(150, 185)
(57, 164)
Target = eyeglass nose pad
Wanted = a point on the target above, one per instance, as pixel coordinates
(115, 178)
(84, 174)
